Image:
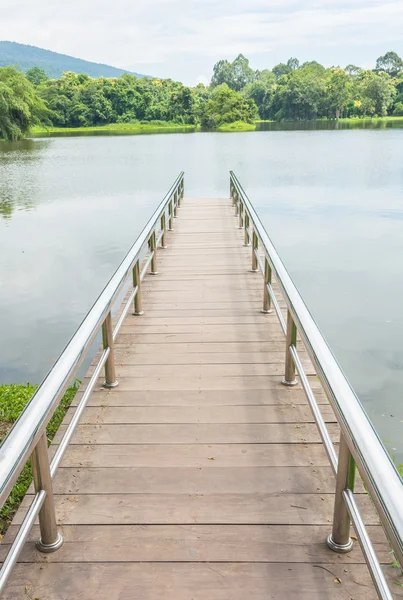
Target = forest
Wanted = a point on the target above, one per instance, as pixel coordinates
(236, 93)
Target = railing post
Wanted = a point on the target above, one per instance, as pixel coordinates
(107, 339)
(340, 540)
(153, 248)
(246, 237)
(170, 219)
(241, 212)
(138, 309)
(266, 296)
(51, 539)
(176, 204)
(291, 340)
(255, 246)
(236, 204)
(231, 192)
(163, 229)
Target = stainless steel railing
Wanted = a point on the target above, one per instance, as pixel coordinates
(28, 435)
(359, 444)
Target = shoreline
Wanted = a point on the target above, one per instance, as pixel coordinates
(237, 126)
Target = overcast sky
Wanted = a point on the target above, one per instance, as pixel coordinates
(182, 39)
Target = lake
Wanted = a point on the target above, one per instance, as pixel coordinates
(331, 200)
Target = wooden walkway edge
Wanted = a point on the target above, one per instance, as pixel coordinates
(200, 476)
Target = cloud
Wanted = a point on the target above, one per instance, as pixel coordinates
(179, 37)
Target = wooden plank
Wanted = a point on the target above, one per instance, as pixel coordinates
(184, 480)
(118, 397)
(201, 414)
(241, 509)
(195, 455)
(203, 372)
(243, 336)
(125, 356)
(269, 382)
(214, 433)
(196, 543)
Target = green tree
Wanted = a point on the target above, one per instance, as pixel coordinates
(390, 62)
(227, 106)
(377, 92)
(261, 92)
(36, 76)
(20, 107)
(236, 74)
(337, 93)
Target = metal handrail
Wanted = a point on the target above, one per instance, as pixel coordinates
(28, 435)
(359, 443)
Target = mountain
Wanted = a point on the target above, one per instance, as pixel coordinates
(53, 63)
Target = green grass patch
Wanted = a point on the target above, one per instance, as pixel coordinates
(115, 128)
(13, 399)
(237, 126)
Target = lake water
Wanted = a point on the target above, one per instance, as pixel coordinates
(332, 201)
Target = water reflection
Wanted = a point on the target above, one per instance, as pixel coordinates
(19, 175)
(327, 125)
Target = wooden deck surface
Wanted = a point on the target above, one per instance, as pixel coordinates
(200, 476)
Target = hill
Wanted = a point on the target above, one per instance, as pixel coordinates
(53, 63)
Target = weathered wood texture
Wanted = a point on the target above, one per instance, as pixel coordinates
(200, 476)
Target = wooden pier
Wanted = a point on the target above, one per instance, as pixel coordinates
(200, 477)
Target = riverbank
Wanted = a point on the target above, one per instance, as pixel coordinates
(238, 126)
(114, 129)
(13, 399)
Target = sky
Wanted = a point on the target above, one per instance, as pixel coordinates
(183, 39)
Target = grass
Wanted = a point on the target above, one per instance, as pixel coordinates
(122, 128)
(237, 126)
(13, 399)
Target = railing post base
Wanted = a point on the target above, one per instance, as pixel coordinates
(138, 314)
(266, 312)
(153, 272)
(47, 548)
(339, 548)
(289, 383)
(111, 385)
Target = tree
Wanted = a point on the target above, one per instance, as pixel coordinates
(36, 76)
(293, 64)
(226, 106)
(261, 92)
(338, 92)
(20, 107)
(391, 63)
(280, 70)
(377, 91)
(236, 74)
(353, 71)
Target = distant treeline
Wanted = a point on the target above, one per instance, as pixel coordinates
(237, 92)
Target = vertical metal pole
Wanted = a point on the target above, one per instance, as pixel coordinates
(241, 211)
(107, 339)
(340, 540)
(153, 248)
(236, 204)
(50, 539)
(138, 309)
(266, 296)
(246, 238)
(255, 246)
(176, 204)
(170, 220)
(291, 340)
(163, 229)
(231, 192)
